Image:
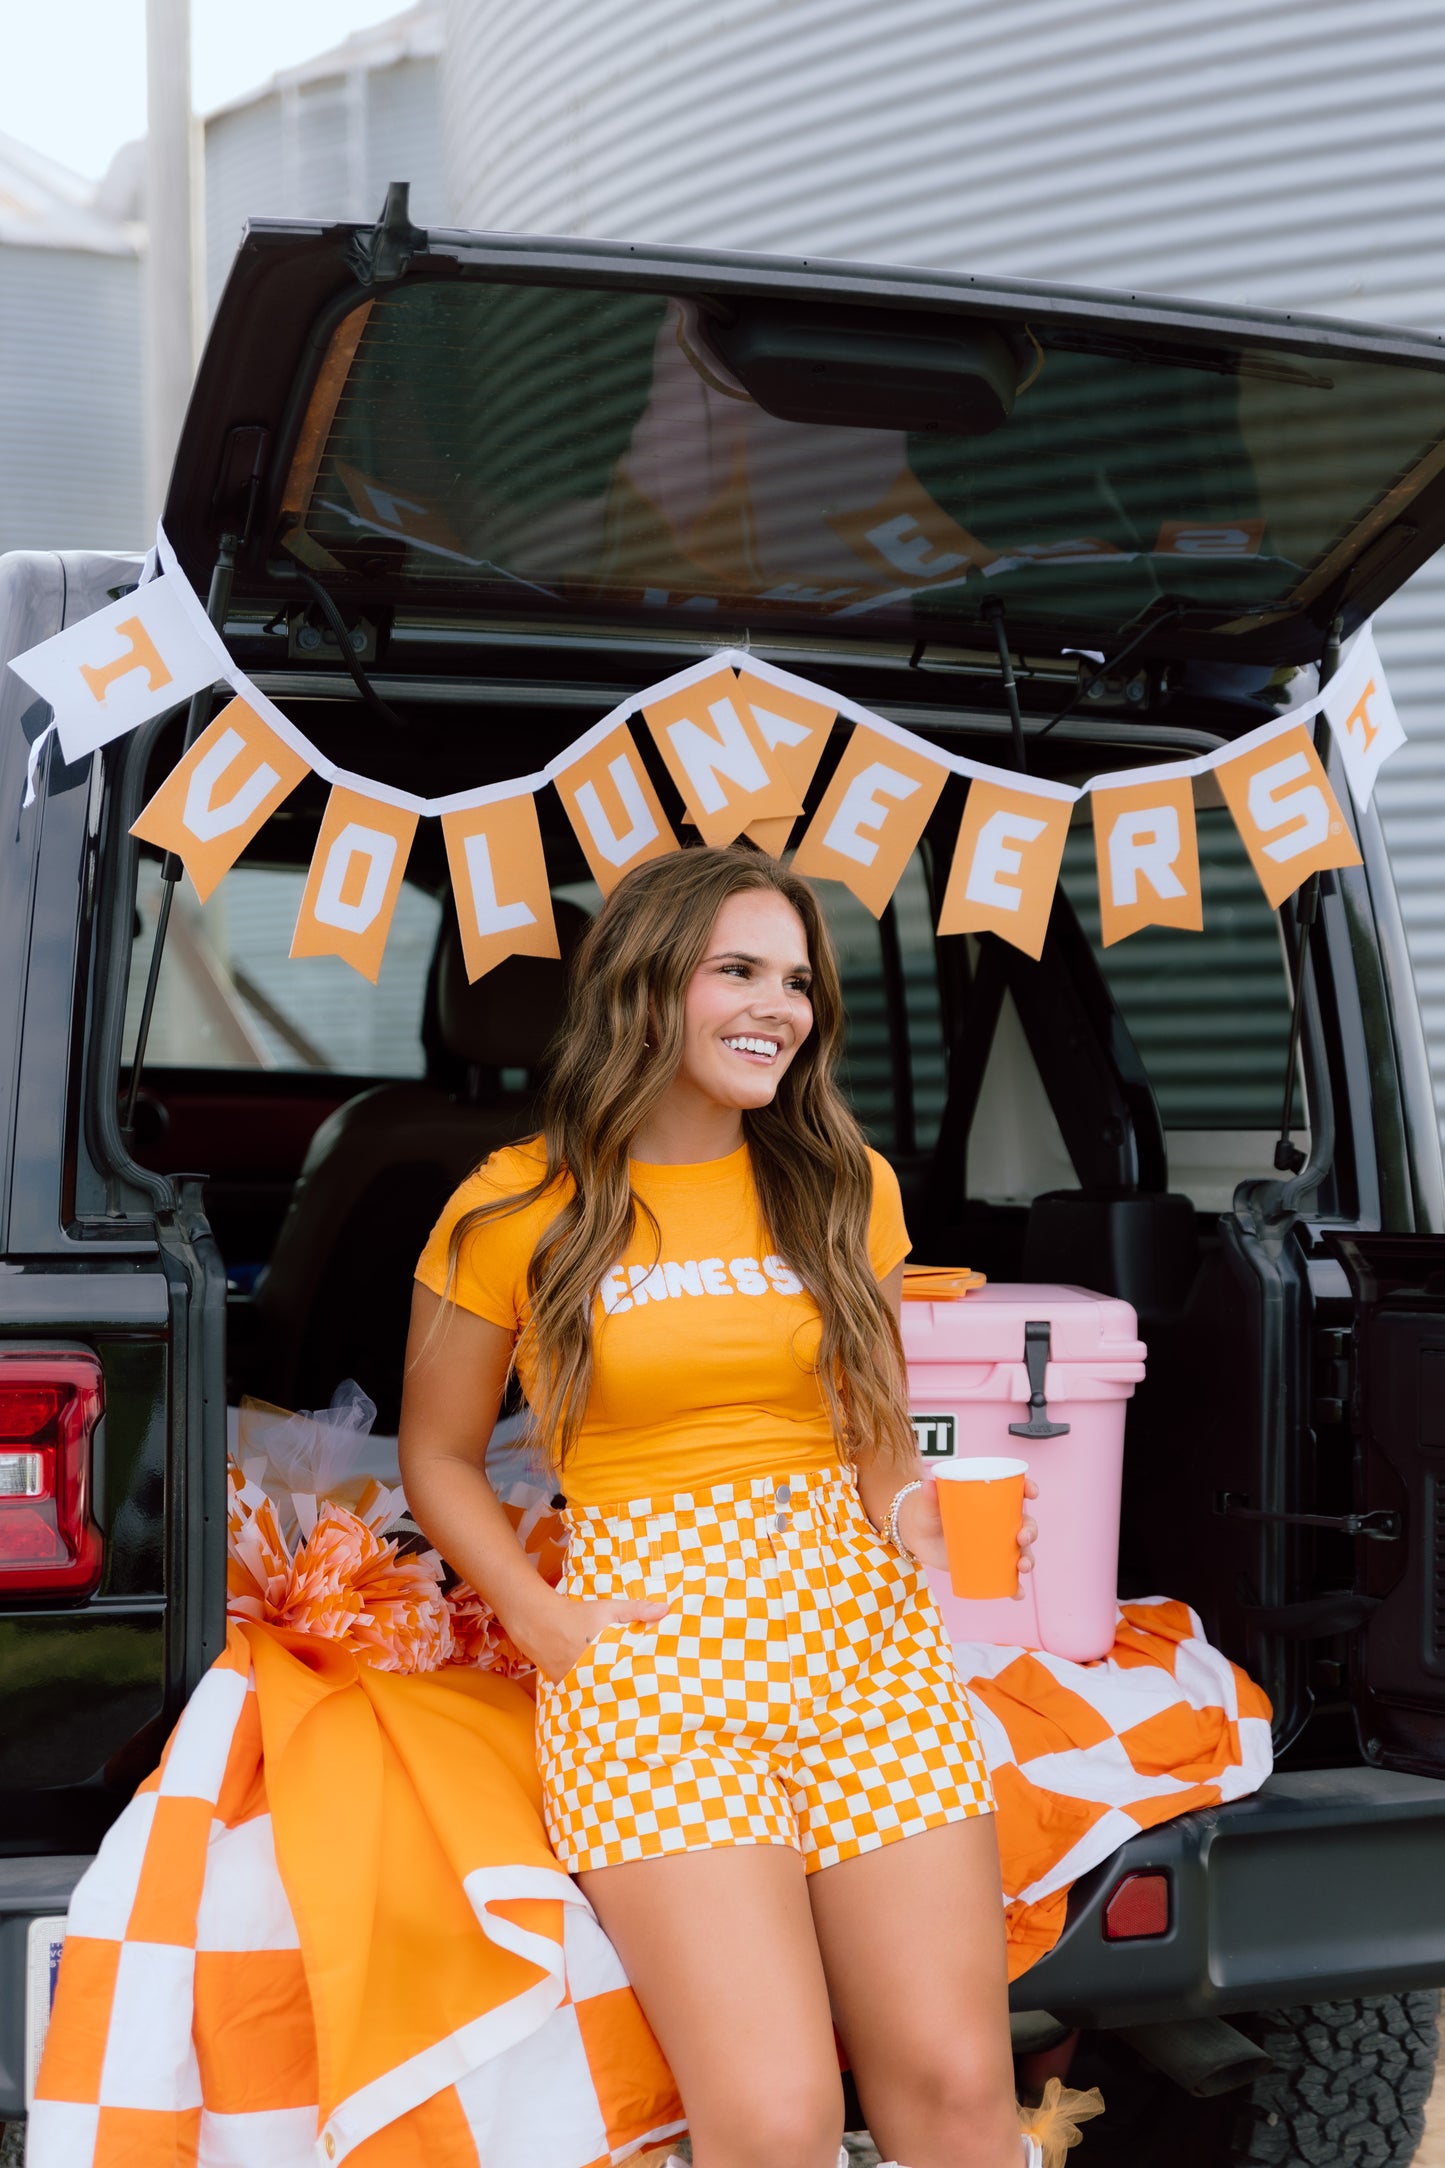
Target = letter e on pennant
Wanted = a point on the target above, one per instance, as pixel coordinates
(720, 760)
(355, 879)
(1147, 852)
(872, 814)
(499, 880)
(1289, 819)
(613, 807)
(223, 791)
(1006, 865)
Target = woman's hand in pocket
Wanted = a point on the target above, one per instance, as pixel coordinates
(561, 1630)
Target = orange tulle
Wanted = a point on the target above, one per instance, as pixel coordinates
(1055, 2121)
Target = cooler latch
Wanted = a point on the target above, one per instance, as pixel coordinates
(1038, 1348)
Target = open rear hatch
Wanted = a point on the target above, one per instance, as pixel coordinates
(557, 433)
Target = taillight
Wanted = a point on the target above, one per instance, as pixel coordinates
(49, 1407)
(1138, 1907)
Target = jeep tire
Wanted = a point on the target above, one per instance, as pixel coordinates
(1347, 2090)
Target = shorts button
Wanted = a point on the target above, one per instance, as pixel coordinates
(784, 1494)
(780, 1522)
(330, 2144)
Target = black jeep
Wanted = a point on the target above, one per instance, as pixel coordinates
(451, 497)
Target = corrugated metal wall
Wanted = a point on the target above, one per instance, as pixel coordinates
(325, 147)
(1289, 156)
(71, 474)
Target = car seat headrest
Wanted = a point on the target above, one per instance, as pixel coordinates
(506, 1020)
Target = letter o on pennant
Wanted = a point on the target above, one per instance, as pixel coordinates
(355, 879)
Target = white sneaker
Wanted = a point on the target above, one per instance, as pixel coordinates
(1033, 2155)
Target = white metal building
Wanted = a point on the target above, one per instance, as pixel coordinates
(322, 140)
(1288, 156)
(71, 473)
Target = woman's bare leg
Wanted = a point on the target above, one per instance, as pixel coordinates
(913, 1946)
(721, 1949)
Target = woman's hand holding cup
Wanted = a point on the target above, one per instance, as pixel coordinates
(923, 1530)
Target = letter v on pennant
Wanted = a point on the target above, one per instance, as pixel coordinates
(719, 758)
(225, 789)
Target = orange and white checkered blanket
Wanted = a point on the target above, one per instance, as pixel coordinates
(330, 1925)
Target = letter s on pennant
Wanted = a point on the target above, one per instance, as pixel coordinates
(224, 790)
(355, 879)
(1006, 865)
(1289, 819)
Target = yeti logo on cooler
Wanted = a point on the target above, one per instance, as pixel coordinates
(935, 1435)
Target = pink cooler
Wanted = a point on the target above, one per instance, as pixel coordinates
(1043, 1375)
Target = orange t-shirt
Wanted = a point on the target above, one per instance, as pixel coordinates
(704, 1342)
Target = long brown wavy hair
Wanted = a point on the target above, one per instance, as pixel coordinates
(810, 1165)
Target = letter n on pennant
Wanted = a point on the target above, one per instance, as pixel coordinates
(1147, 852)
(1006, 865)
(719, 759)
(355, 879)
(1289, 819)
(224, 790)
(871, 817)
(499, 880)
(613, 807)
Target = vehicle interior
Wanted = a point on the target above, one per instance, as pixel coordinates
(1084, 1119)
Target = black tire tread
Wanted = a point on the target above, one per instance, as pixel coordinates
(1349, 2085)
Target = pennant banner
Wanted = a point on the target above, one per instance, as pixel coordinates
(741, 741)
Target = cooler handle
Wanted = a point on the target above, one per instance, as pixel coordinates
(1038, 1347)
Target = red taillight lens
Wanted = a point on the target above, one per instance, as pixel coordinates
(1139, 1906)
(49, 1407)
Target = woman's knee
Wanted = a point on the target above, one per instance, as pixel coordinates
(795, 2122)
(954, 2089)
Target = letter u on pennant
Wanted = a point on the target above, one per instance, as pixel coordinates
(499, 880)
(613, 807)
(1289, 819)
(1006, 865)
(355, 879)
(216, 798)
(1147, 852)
(871, 816)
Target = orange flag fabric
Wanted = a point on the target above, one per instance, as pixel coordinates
(355, 879)
(796, 730)
(1289, 819)
(226, 788)
(614, 809)
(719, 759)
(1006, 865)
(499, 880)
(873, 812)
(1147, 852)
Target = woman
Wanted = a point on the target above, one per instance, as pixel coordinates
(745, 1692)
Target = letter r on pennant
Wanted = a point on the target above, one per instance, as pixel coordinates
(141, 654)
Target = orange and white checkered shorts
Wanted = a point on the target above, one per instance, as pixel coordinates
(801, 1689)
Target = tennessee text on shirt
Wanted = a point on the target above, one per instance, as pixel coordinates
(630, 1286)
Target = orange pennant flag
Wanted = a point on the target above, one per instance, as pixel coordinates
(226, 788)
(719, 759)
(499, 880)
(795, 729)
(1006, 865)
(1289, 819)
(355, 879)
(873, 812)
(613, 807)
(1147, 854)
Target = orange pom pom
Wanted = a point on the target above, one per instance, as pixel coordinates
(1055, 2121)
(479, 1639)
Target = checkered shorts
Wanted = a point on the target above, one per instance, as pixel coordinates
(801, 1689)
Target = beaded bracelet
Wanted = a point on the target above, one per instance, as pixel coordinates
(890, 1524)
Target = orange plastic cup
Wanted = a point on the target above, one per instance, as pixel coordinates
(982, 1504)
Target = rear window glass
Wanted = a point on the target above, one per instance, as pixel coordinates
(231, 997)
(1209, 1012)
(630, 453)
